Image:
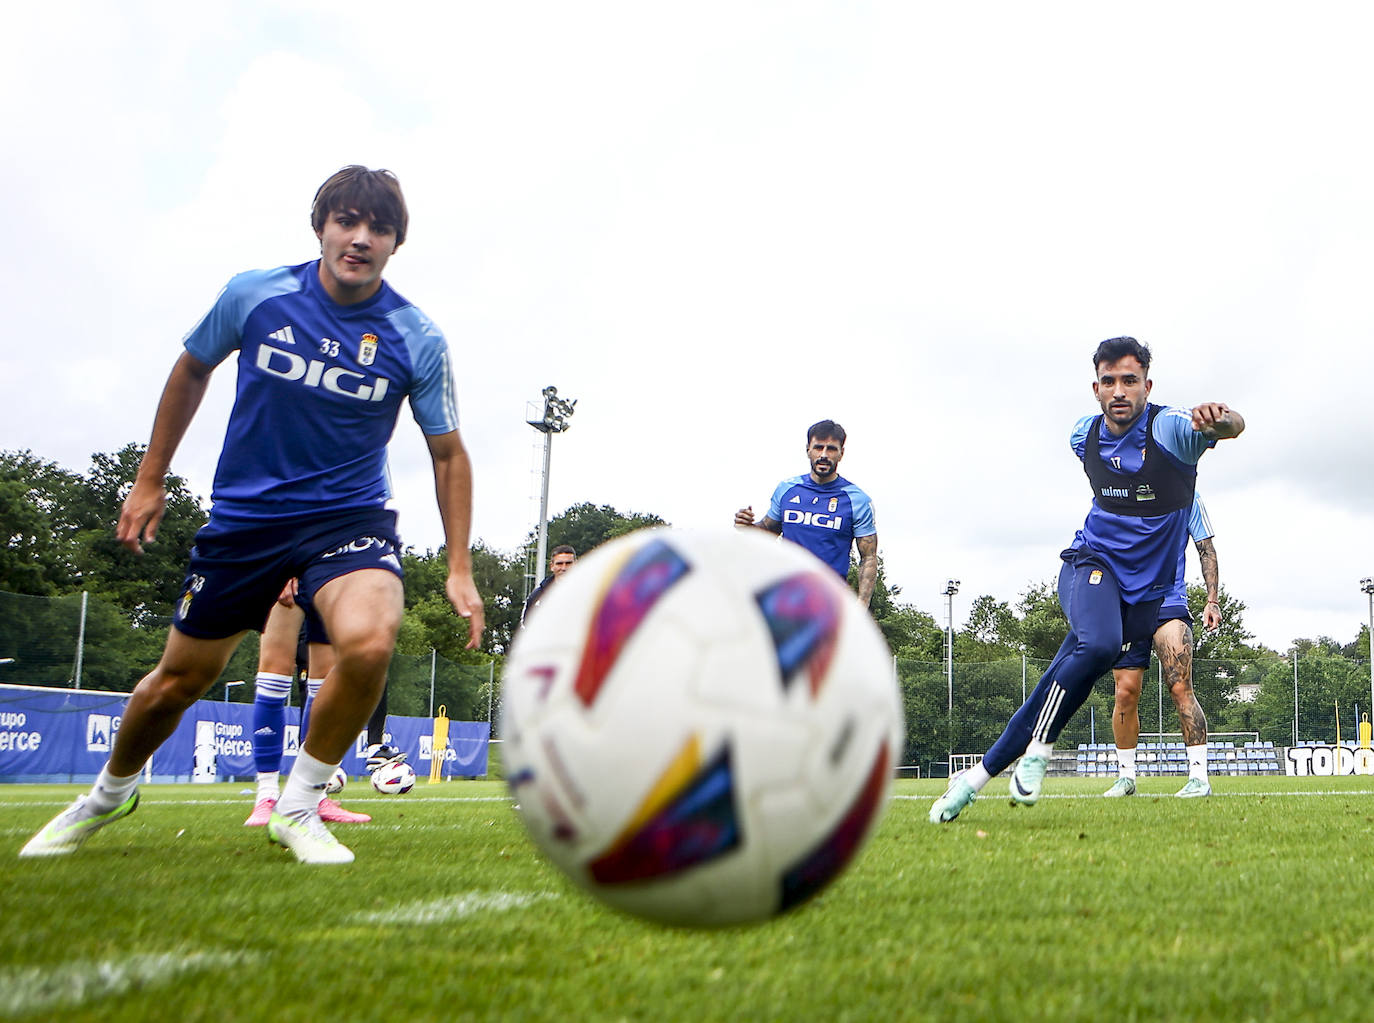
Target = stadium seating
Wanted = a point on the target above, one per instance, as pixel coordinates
(1098, 759)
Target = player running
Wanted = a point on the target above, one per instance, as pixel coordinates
(326, 353)
(1141, 461)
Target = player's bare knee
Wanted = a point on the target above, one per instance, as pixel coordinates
(366, 656)
(167, 691)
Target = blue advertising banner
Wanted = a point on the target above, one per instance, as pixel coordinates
(66, 735)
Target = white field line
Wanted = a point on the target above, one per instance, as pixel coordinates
(30, 989)
(1169, 795)
(453, 907)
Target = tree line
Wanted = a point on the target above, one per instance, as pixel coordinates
(59, 529)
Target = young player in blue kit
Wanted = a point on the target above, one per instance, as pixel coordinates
(1141, 460)
(326, 353)
(823, 512)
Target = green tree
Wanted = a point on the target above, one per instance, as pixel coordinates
(1043, 623)
(991, 632)
(431, 622)
(585, 527)
(35, 501)
(145, 586)
(1231, 640)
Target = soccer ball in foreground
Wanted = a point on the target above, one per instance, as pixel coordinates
(336, 782)
(700, 727)
(393, 779)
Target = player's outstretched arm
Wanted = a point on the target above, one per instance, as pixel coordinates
(1217, 421)
(143, 508)
(868, 566)
(453, 487)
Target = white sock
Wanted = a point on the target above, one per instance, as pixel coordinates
(1197, 761)
(977, 776)
(305, 785)
(1125, 759)
(110, 790)
(269, 785)
(1036, 748)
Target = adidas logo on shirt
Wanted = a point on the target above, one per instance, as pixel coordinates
(284, 336)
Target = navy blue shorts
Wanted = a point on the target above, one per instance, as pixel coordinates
(238, 571)
(1138, 654)
(314, 625)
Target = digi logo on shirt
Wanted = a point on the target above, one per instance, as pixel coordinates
(312, 373)
(821, 520)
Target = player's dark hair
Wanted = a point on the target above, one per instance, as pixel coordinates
(373, 192)
(826, 429)
(563, 548)
(1115, 348)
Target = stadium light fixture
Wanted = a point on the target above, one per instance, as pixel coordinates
(951, 588)
(557, 412)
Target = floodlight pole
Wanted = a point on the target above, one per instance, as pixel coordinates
(951, 588)
(557, 412)
(1367, 585)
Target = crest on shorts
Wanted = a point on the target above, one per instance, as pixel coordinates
(367, 350)
(1095, 577)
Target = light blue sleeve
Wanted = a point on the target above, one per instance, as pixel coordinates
(1078, 439)
(1199, 522)
(220, 331)
(775, 502)
(433, 401)
(1173, 430)
(862, 508)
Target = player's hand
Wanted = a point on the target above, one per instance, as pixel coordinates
(1211, 616)
(1209, 415)
(140, 515)
(745, 516)
(287, 597)
(463, 595)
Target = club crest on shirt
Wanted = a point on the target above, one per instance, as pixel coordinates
(834, 503)
(367, 350)
(1095, 577)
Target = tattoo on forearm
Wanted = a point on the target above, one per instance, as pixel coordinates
(1207, 554)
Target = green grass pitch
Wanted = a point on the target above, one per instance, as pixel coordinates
(1254, 904)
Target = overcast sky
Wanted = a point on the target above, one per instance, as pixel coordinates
(713, 224)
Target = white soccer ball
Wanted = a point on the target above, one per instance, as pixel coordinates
(336, 782)
(394, 779)
(700, 728)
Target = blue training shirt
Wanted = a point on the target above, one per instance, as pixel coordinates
(319, 390)
(1143, 550)
(825, 518)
